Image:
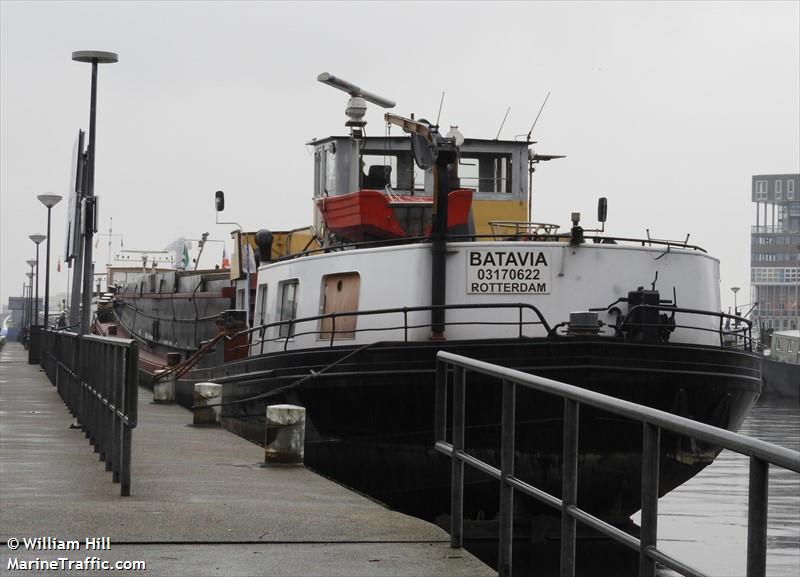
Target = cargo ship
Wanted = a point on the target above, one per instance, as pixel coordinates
(423, 242)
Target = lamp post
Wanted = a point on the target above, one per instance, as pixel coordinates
(31, 262)
(30, 294)
(24, 306)
(94, 57)
(735, 289)
(49, 200)
(38, 238)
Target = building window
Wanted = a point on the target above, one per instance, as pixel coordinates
(778, 190)
(777, 344)
(761, 190)
(789, 346)
(775, 275)
(790, 189)
(287, 306)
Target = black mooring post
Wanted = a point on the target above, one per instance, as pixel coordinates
(439, 235)
(757, 518)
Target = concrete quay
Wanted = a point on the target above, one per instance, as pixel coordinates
(200, 502)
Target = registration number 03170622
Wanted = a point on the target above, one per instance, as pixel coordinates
(508, 272)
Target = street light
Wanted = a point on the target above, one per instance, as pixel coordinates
(30, 293)
(37, 238)
(94, 57)
(735, 290)
(49, 200)
(31, 262)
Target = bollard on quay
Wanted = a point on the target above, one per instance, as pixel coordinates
(285, 435)
(207, 394)
(163, 387)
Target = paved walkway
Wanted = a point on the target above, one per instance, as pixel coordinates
(200, 503)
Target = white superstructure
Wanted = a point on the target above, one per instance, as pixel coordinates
(555, 277)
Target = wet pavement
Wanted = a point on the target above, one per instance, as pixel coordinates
(200, 502)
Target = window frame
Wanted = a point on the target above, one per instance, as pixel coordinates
(287, 330)
(261, 295)
(761, 190)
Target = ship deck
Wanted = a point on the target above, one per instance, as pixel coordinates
(200, 502)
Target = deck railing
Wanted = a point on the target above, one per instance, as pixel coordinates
(527, 316)
(522, 236)
(257, 336)
(97, 378)
(761, 453)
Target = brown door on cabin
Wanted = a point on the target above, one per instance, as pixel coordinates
(339, 295)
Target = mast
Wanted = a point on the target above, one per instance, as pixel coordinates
(440, 154)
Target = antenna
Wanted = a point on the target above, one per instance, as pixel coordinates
(503, 123)
(441, 103)
(537, 116)
(354, 91)
(357, 105)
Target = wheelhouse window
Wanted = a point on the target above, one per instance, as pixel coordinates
(394, 169)
(287, 306)
(330, 171)
(778, 190)
(485, 172)
(790, 189)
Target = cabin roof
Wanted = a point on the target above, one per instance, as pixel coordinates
(375, 139)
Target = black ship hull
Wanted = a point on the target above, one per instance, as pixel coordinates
(370, 417)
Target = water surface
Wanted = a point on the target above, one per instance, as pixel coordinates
(704, 522)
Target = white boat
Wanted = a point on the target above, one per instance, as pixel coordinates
(421, 243)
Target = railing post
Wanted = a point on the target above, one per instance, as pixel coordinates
(457, 475)
(130, 394)
(649, 532)
(757, 518)
(506, 528)
(440, 415)
(119, 422)
(112, 417)
(288, 334)
(102, 388)
(569, 487)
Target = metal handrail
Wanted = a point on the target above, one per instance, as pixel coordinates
(555, 237)
(744, 332)
(98, 379)
(291, 323)
(761, 454)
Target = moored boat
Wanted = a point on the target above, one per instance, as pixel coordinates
(781, 365)
(421, 243)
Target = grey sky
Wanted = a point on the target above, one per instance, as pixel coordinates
(665, 108)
